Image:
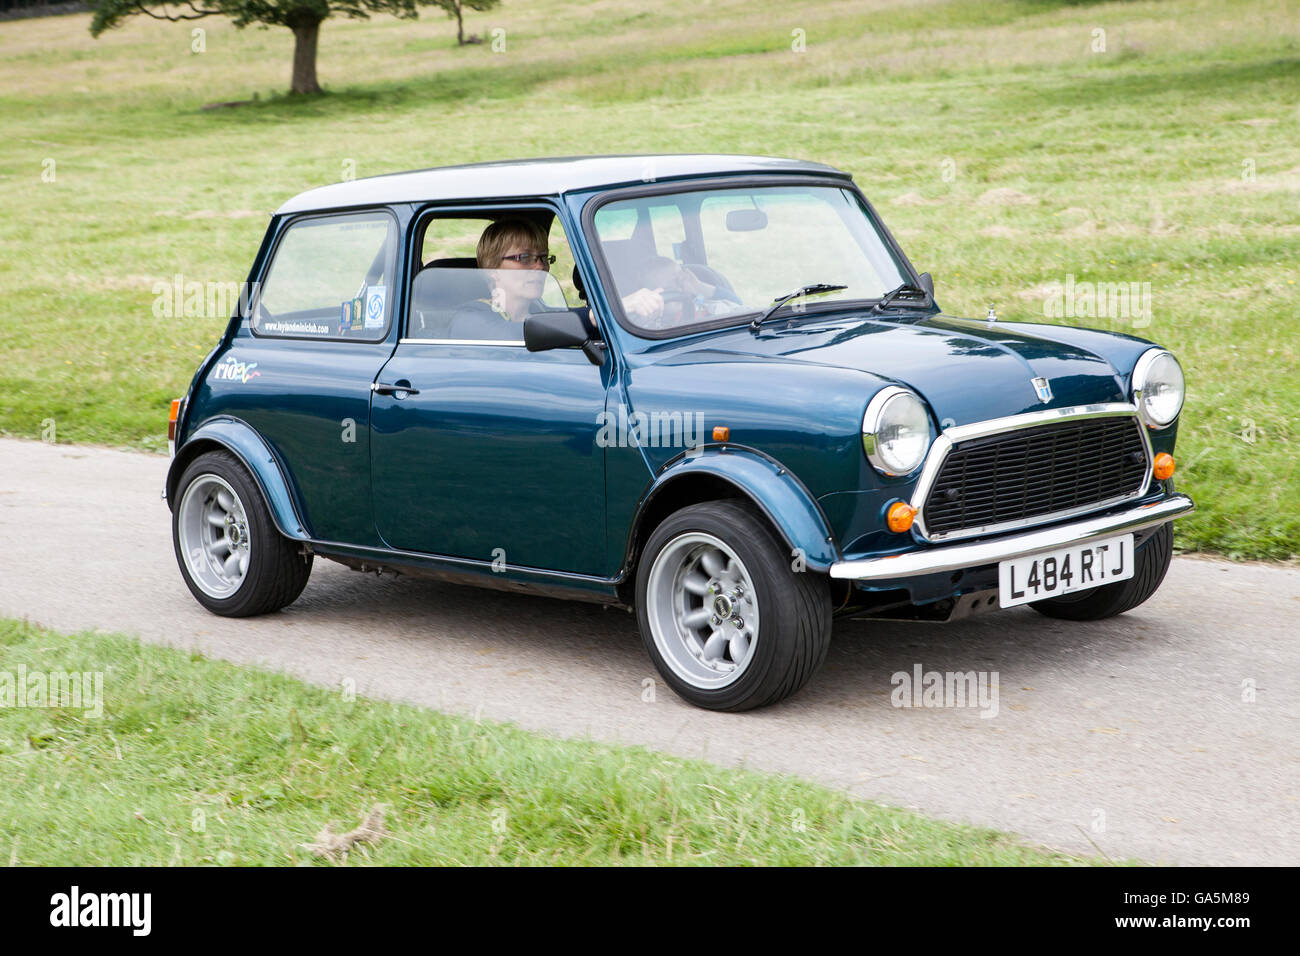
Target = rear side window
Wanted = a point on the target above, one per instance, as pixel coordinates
(331, 277)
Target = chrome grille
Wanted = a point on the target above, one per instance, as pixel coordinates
(1030, 474)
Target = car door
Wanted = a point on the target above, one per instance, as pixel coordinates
(481, 449)
(492, 455)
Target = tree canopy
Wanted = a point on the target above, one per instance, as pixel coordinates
(303, 17)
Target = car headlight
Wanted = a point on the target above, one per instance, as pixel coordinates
(896, 432)
(1158, 387)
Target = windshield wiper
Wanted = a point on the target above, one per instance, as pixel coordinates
(906, 289)
(814, 289)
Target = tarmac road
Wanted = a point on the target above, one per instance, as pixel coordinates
(1135, 737)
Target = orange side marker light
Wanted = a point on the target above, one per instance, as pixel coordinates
(1164, 466)
(900, 516)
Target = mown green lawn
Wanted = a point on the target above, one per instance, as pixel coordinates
(195, 762)
(1005, 151)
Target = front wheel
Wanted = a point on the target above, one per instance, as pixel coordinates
(234, 560)
(727, 621)
(1151, 562)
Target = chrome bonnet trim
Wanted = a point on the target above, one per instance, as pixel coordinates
(955, 557)
(951, 436)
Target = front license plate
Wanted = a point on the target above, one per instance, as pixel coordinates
(1065, 570)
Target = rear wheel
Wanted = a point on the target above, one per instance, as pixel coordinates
(724, 617)
(233, 559)
(1151, 562)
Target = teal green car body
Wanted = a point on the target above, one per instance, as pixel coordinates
(503, 457)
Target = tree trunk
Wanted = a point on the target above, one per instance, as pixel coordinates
(460, 26)
(305, 36)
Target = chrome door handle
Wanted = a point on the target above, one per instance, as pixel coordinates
(383, 388)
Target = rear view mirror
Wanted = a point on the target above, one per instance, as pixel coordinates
(746, 220)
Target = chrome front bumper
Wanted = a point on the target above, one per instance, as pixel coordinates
(954, 557)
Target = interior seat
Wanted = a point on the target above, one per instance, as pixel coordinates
(439, 290)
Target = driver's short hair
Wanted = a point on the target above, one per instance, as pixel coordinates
(504, 233)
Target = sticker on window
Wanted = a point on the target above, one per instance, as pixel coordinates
(375, 307)
(350, 319)
(295, 327)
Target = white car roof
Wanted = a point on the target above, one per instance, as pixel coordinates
(538, 177)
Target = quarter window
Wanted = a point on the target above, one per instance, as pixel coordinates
(332, 277)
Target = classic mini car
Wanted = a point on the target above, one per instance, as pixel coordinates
(708, 388)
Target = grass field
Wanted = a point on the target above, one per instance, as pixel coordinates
(195, 762)
(1005, 150)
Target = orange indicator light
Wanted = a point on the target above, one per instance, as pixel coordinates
(900, 516)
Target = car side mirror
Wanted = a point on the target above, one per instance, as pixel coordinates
(562, 329)
(927, 283)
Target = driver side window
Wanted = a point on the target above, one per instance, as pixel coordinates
(483, 275)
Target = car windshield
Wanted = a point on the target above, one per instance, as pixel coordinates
(686, 260)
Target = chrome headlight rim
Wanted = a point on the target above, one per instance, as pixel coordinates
(1141, 381)
(875, 418)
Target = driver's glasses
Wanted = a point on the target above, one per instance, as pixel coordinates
(526, 259)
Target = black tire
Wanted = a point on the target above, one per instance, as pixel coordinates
(276, 571)
(1151, 562)
(792, 607)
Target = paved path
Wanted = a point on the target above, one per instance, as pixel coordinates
(1138, 723)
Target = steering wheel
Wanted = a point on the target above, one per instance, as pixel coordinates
(716, 279)
(685, 299)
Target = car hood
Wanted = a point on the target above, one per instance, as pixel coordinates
(968, 370)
